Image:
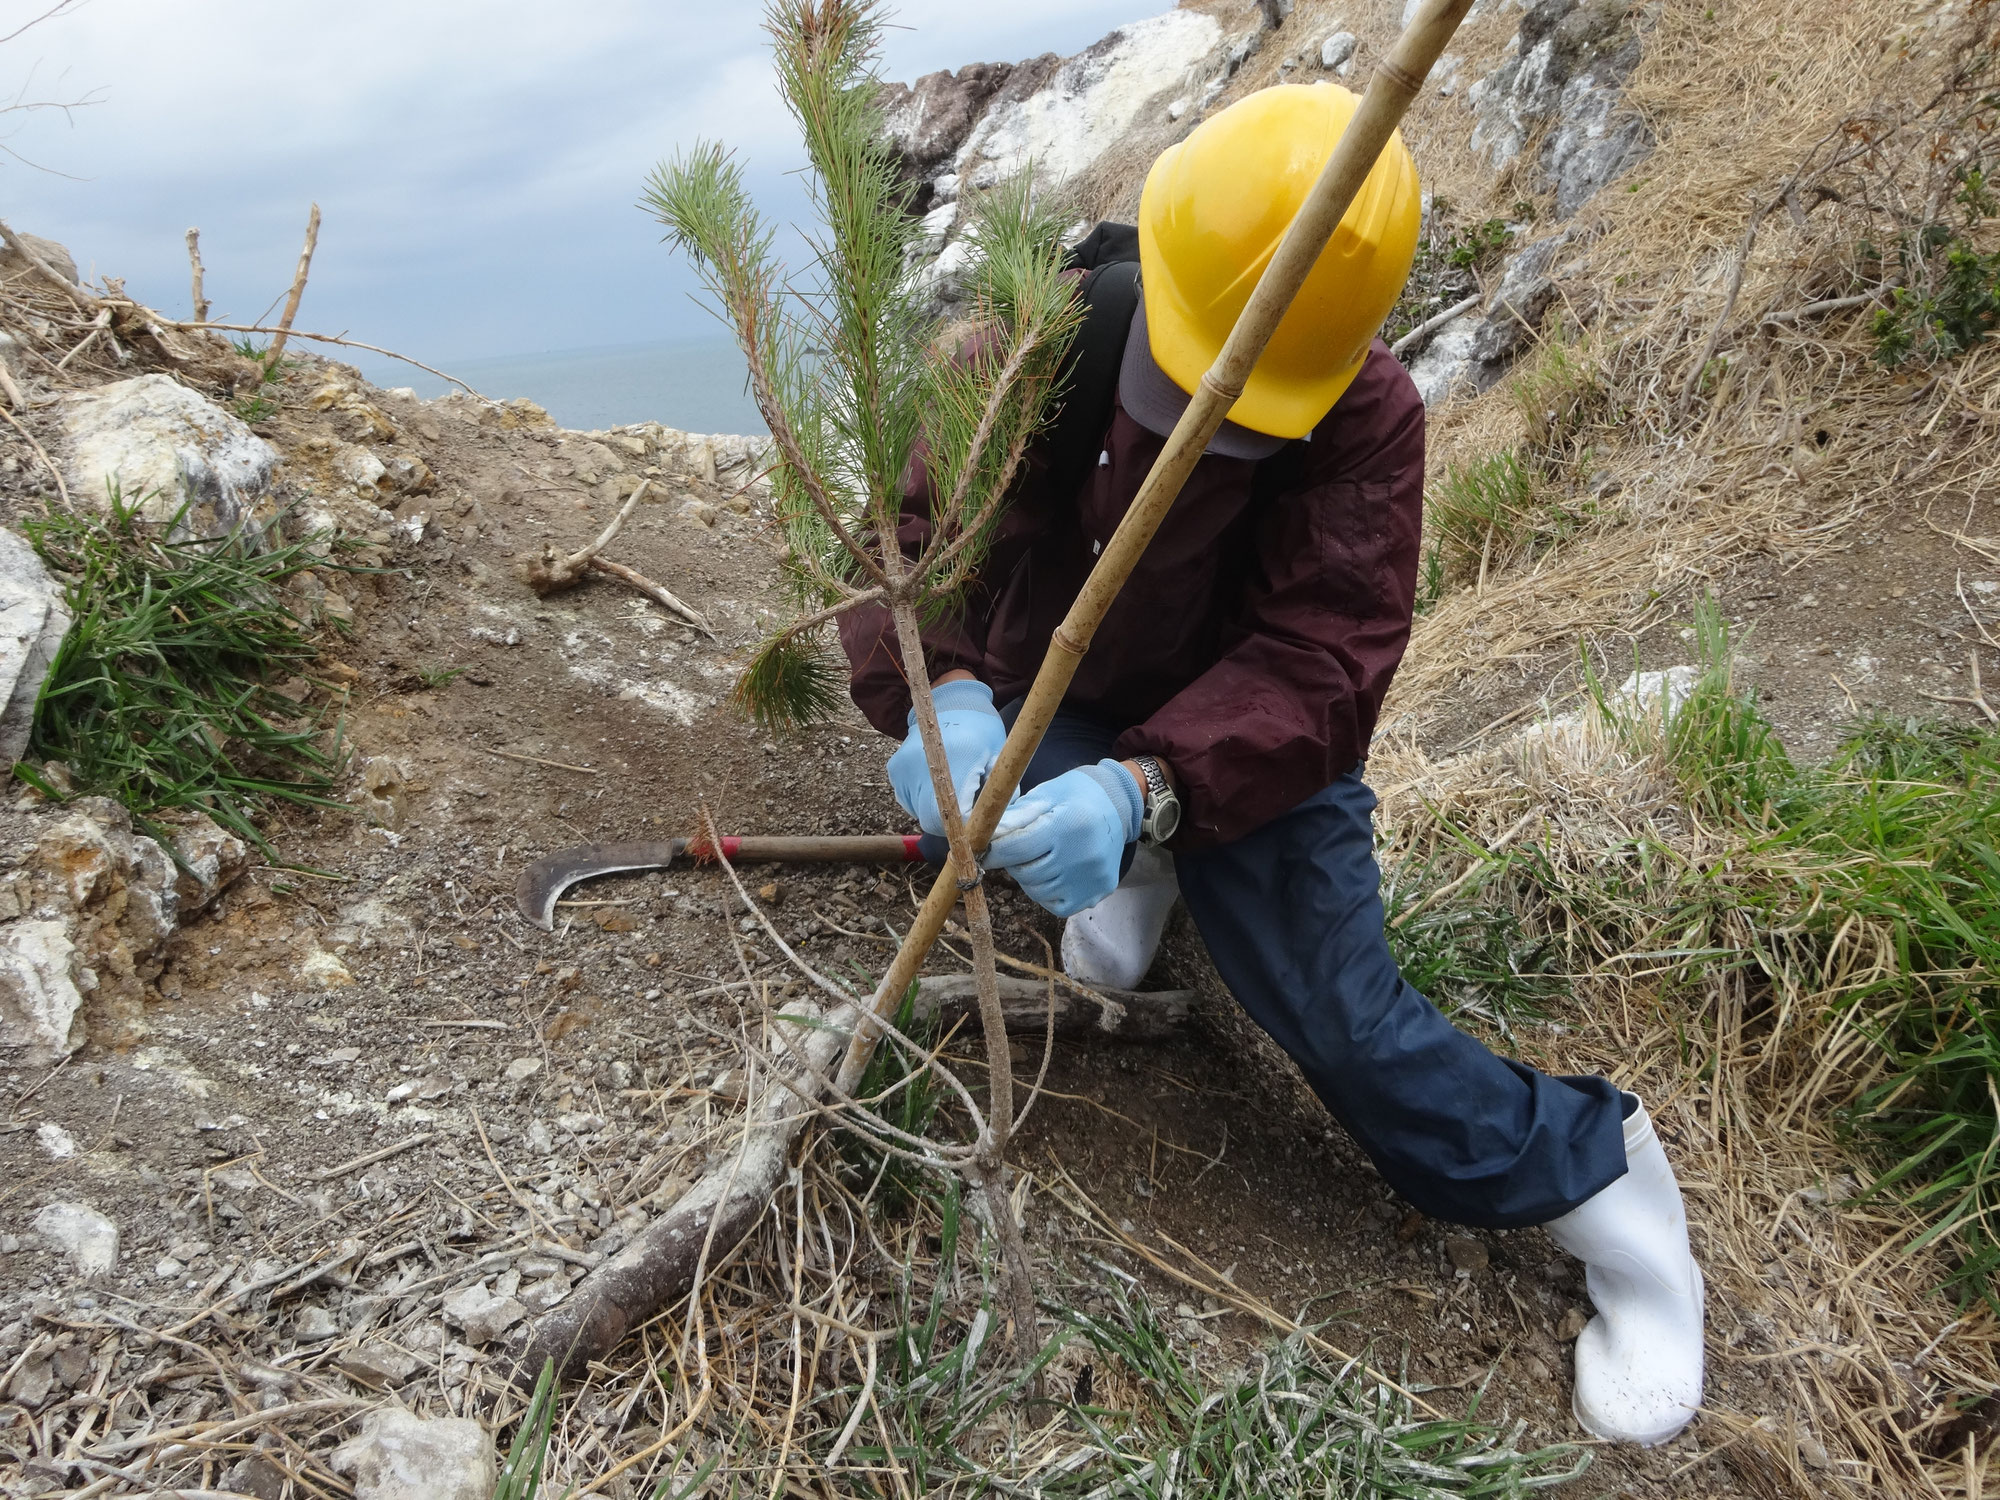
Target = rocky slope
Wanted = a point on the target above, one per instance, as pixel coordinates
(290, 1144)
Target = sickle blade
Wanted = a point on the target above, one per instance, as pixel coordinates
(543, 882)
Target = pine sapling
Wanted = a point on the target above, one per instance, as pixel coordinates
(856, 381)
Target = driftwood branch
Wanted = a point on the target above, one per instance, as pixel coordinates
(553, 573)
(196, 275)
(657, 592)
(298, 288)
(1436, 321)
(328, 338)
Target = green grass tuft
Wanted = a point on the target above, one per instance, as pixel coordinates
(160, 695)
(1297, 1424)
(1488, 514)
(903, 1092)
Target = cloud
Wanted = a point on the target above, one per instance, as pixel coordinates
(477, 162)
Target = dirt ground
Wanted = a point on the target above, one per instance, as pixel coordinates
(357, 1071)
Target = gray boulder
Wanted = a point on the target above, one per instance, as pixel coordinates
(402, 1456)
(928, 120)
(163, 445)
(33, 621)
(52, 255)
(1514, 312)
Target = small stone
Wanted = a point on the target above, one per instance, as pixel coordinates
(1336, 53)
(31, 1383)
(378, 1365)
(255, 1475)
(534, 1267)
(71, 1366)
(1465, 1253)
(523, 1068)
(1412, 1222)
(56, 1141)
(433, 1087)
(83, 1234)
(700, 512)
(545, 1294)
(339, 1057)
(314, 1324)
(399, 1093)
(323, 971)
(482, 1316)
(401, 1456)
(1813, 1451)
(772, 894)
(168, 1268)
(1573, 1323)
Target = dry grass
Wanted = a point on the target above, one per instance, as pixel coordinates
(1833, 1353)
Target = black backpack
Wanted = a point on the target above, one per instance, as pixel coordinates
(1109, 258)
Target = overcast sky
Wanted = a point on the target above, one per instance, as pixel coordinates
(476, 162)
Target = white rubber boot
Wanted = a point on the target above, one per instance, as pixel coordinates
(1638, 1362)
(1113, 943)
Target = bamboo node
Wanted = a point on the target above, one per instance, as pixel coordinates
(1064, 642)
(1398, 76)
(1227, 393)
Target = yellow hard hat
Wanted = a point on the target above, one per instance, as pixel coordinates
(1215, 207)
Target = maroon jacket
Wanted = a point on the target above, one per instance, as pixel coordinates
(1254, 643)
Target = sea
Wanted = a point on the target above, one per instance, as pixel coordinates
(697, 385)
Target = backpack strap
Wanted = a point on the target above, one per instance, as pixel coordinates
(1110, 294)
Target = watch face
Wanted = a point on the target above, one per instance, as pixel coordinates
(1167, 818)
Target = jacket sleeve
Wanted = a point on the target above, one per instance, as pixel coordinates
(955, 637)
(1291, 704)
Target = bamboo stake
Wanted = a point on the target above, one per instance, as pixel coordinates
(1392, 86)
(195, 272)
(298, 289)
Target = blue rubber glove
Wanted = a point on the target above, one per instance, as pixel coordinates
(1065, 840)
(972, 732)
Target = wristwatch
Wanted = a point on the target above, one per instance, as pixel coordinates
(1163, 809)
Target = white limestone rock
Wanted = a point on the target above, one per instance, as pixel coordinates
(162, 445)
(87, 1237)
(1438, 370)
(33, 621)
(210, 859)
(39, 999)
(1092, 99)
(401, 1456)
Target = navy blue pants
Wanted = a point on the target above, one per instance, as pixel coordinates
(1292, 916)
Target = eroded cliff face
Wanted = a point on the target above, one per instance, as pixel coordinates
(1539, 111)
